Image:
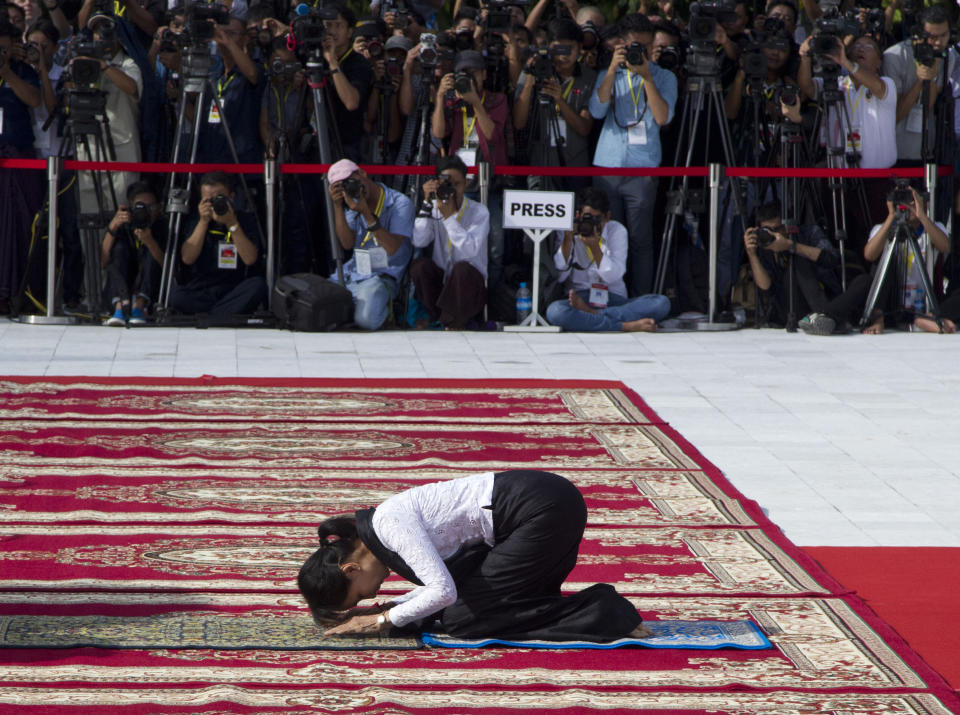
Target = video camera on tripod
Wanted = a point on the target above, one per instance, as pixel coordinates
(541, 67)
(702, 59)
(901, 196)
(827, 39)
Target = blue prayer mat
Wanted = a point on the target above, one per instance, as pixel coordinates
(700, 635)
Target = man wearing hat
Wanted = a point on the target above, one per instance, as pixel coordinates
(376, 223)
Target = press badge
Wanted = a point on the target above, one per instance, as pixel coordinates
(214, 116)
(468, 155)
(853, 142)
(369, 261)
(599, 295)
(227, 256)
(637, 134)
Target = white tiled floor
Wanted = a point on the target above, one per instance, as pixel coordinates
(846, 441)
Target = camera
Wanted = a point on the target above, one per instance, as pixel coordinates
(636, 53)
(591, 35)
(754, 63)
(787, 94)
(375, 49)
(463, 82)
(141, 216)
(542, 65)
(428, 51)
(925, 53)
(773, 26)
(445, 190)
(170, 41)
(671, 57)
(765, 236)
(200, 17)
(829, 31)
(901, 195)
(221, 205)
(876, 21)
(287, 70)
(588, 225)
(31, 53)
(307, 27)
(353, 188)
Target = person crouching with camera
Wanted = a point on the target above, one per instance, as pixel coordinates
(131, 254)
(592, 260)
(222, 253)
(376, 223)
(769, 250)
(450, 284)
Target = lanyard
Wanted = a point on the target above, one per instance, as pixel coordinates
(345, 55)
(459, 216)
(856, 102)
(281, 106)
(376, 214)
(468, 127)
(227, 235)
(590, 253)
(635, 97)
(566, 92)
(221, 86)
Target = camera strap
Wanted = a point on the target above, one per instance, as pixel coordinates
(636, 103)
(468, 127)
(376, 213)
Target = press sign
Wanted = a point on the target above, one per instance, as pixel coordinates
(538, 209)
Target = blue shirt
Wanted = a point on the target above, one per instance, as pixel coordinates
(397, 217)
(613, 147)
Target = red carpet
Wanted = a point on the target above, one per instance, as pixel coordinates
(916, 590)
(163, 522)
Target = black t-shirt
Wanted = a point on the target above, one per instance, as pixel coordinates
(205, 271)
(350, 124)
(240, 101)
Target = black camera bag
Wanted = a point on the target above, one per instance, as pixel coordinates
(304, 301)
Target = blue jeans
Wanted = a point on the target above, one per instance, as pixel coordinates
(632, 202)
(371, 300)
(619, 310)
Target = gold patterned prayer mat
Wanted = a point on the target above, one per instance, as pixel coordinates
(150, 532)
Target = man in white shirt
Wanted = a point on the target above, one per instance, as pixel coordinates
(592, 260)
(451, 283)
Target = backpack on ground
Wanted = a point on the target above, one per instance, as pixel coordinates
(304, 301)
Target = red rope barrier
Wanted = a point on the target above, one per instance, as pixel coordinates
(386, 170)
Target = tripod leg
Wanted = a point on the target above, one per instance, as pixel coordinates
(925, 280)
(882, 269)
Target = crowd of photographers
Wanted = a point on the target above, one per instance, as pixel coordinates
(865, 84)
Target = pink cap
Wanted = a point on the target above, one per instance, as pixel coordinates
(341, 170)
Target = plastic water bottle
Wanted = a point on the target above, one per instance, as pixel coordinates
(524, 303)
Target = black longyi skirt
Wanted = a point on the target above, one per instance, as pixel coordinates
(514, 592)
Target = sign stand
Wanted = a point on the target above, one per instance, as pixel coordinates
(538, 214)
(534, 322)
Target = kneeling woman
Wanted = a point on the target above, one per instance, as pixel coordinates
(489, 552)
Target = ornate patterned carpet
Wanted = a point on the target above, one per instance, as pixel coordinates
(151, 531)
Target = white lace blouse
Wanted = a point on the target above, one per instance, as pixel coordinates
(428, 524)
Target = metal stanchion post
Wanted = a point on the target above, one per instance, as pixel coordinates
(270, 182)
(711, 324)
(930, 179)
(53, 181)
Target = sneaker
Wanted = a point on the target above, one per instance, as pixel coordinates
(817, 324)
(117, 320)
(137, 317)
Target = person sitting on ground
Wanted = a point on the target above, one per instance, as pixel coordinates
(131, 254)
(222, 252)
(490, 553)
(450, 284)
(769, 251)
(890, 308)
(592, 259)
(376, 223)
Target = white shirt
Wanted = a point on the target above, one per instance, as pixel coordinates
(875, 120)
(613, 264)
(123, 111)
(428, 524)
(461, 237)
(913, 293)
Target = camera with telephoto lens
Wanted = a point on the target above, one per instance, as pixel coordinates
(463, 82)
(588, 225)
(591, 35)
(221, 205)
(635, 54)
(353, 188)
(428, 52)
(765, 236)
(925, 53)
(141, 216)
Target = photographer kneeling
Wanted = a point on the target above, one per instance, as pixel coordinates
(769, 251)
(592, 260)
(222, 252)
(450, 285)
(131, 254)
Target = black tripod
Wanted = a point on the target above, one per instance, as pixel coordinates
(703, 95)
(195, 63)
(416, 141)
(548, 138)
(87, 123)
(791, 146)
(832, 112)
(903, 245)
